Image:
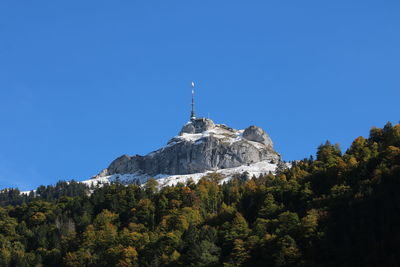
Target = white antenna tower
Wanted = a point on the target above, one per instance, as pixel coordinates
(192, 115)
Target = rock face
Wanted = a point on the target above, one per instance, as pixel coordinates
(197, 126)
(256, 134)
(200, 146)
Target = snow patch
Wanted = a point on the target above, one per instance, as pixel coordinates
(256, 169)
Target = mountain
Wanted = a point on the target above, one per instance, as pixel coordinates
(200, 147)
(334, 209)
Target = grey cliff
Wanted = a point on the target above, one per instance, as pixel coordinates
(200, 146)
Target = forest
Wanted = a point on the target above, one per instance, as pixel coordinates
(334, 209)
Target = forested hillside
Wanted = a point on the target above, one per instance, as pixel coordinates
(334, 210)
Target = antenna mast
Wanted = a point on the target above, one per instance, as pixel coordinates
(192, 115)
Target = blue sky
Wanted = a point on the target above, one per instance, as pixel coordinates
(82, 82)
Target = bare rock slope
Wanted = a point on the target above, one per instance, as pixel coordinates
(201, 146)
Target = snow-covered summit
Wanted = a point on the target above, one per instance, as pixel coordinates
(198, 130)
(200, 147)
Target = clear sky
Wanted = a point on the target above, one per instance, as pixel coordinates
(82, 82)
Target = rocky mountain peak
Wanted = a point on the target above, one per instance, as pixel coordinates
(195, 126)
(256, 134)
(199, 147)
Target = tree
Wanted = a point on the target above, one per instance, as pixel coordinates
(239, 255)
(288, 252)
(151, 186)
(269, 208)
(239, 229)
